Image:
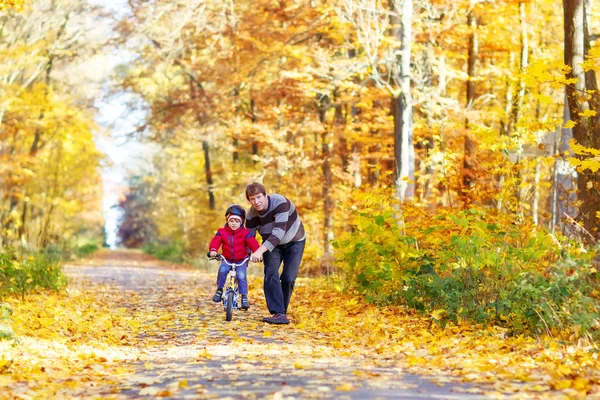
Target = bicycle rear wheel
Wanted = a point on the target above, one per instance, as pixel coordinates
(229, 309)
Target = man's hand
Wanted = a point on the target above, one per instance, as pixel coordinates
(213, 254)
(257, 256)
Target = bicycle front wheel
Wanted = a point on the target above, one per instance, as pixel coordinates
(229, 309)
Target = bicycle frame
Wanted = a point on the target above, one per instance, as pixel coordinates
(231, 295)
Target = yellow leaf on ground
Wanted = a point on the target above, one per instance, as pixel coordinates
(581, 383)
(345, 387)
(562, 384)
(302, 364)
(437, 314)
(204, 354)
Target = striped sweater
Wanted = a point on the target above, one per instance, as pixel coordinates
(280, 224)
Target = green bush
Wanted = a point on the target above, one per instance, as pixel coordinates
(28, 272)
(6, 330)
(86, 249)
(471, 265)
(168, 252)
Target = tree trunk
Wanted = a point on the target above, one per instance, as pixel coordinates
(469, 145)
(209, 179)
(326, 143)
(427, 144)
(505, 129)
(536, 192)
(587, 129)
(341, 118)
(554, 197)
(254, 119)
(404, 152)
(236, 154)
(517, 109)
(35, 146)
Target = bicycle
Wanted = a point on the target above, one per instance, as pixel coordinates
(231, 294)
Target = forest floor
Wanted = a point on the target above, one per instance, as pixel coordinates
(129, 326)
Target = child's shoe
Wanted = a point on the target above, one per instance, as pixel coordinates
(245, 303)
(218, 295)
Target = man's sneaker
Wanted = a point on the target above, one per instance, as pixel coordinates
(278, 319)
(245, 303)
(218, 295)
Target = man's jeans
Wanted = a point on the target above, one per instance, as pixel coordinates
(241, 276)
(278, 289)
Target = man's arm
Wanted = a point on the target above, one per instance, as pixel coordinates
(281, 217)
(276, 235)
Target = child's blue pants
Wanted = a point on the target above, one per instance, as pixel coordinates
(241, 276)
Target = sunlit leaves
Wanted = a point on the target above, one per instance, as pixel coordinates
(49, 178)
(16, 4)
(589, 157)
(469, 351)
(592, 60)
(546, 71)
(82, 342)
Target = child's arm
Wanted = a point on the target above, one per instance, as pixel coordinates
(252, 242)
(215, 244)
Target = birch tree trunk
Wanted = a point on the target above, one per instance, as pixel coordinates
(404, 152)
(517, 108)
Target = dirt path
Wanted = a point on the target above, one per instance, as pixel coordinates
(186, 349)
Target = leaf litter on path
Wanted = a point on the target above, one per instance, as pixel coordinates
(131, 327)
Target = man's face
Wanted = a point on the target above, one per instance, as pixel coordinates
(259, 202)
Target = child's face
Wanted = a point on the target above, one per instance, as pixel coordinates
(234, 223)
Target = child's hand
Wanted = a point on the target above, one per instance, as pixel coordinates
(213, 254)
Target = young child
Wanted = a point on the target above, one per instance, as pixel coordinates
(237, 242)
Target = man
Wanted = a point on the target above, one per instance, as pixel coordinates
(276, 219)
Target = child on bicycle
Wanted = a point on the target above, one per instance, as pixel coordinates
(237, 243)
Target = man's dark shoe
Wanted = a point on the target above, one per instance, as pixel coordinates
(245, 303)
(218, 295)
(278, 319)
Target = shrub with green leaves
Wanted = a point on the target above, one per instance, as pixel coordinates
(470, 265)
(28, 272)
(85, 249)
(6, 330)
(168, 252)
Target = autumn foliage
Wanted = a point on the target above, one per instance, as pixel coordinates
(471, 265)
(50, 187)
(307, 97)
(443, 155)
(472, 206)
(299, 95)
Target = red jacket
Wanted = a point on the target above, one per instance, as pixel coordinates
(236, 244)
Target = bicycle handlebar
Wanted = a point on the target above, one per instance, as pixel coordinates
(221, 258)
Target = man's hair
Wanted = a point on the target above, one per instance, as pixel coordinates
(255, 188)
